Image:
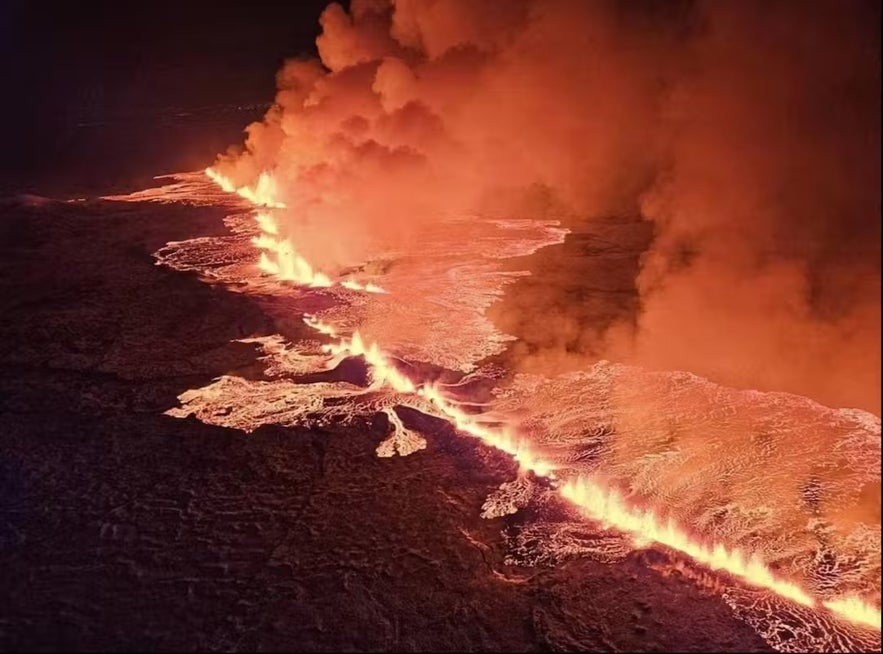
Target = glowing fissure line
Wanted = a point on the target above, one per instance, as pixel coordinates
(262, 194)
(610, 507)
(605, 505)
(278, 256)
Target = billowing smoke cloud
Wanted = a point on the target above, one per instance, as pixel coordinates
(765, 269)
(422, 109)
(747, 133)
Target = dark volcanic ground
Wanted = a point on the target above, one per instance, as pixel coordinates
(122, 528)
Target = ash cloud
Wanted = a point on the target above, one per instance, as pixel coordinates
(746, 133)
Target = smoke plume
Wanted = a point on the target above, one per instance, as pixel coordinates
(746, 133)
(765, 268)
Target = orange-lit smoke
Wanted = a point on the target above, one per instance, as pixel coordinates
(746, 131)
(765, 270)
(421, 111)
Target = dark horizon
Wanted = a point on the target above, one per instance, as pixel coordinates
(123, 82)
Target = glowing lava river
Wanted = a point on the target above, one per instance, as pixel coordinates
(774, 496)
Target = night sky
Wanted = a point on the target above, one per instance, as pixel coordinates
(126, 69)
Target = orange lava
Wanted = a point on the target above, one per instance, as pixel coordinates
(855, 610)
(278, 256)
(280, 259)
(597, 502)
(609, 507)
(384, 373)
(262, 194)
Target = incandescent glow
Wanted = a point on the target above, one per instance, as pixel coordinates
(606, 506)
(384, 373)
(855, 610)
(262, 194)
(610, 508)
(267, 223)
(282, 261)
(279, 258)
(225, 183)
(353, 285)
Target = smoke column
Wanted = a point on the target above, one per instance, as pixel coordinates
(765, 269)
(746, 133)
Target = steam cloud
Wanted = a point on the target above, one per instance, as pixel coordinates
(747, 133)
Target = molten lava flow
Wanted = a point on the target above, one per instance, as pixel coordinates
(855, 610)
(225, 183)
(384, 373)
(262, 194)
(352, 284)
(267, 223)
(600, 504)
(597, 502)
(279, 258)
(610, 508)
(286, 264)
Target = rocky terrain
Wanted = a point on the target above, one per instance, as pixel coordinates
(125, 529)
